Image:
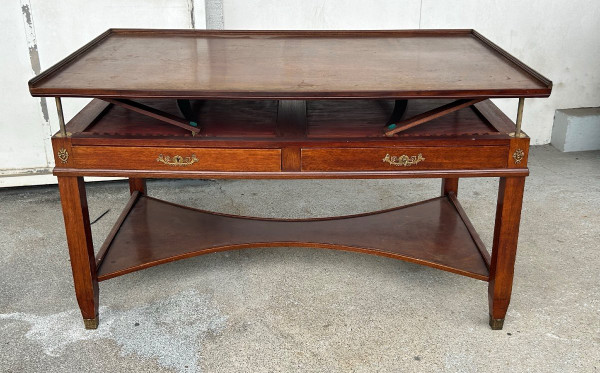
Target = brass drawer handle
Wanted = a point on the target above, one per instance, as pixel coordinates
(177, 160)
(403, 160)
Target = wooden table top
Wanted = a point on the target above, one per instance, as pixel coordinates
(290, 64)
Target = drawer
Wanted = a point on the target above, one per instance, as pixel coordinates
(402, 158)
(188, 159)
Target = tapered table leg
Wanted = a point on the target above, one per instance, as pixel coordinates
(504, 249)
(137, 184)
(81, 248)
(450, 185)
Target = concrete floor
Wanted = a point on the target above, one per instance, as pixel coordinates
(297, 309)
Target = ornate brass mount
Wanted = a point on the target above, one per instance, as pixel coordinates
(177, 160)
(403, 160)
(63, 155)
(518, 155)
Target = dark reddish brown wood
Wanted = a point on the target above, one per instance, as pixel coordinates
(221, 119)
(291, 159)
(117, 141)
(430, 115)
(351, 79)
(63, 152)
(115, 229)
(251, 122)
(156, 232)
(71, 58)
(147, 158)
(365, 119)
(255, 143)
(137, 185)
(81, 248)
(518, 152)
(314, 65)
(374, 159)
(154, 113)
(402, 174)
(450, 185)
(497, 119)
(512, 59)
(474, 235)
(291, 123)
(504, 250)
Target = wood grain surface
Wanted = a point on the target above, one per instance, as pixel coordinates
(284, 64)
(156, 232)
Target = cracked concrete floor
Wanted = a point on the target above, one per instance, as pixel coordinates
(297, 309)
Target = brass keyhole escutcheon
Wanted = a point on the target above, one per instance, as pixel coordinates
(177, 160)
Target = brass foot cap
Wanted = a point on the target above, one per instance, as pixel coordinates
(91, 323)
(496, 324)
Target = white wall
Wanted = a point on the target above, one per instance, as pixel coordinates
(320, 14)
(22, 132)
(560, 39)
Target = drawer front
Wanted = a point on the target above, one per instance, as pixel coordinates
(399, 159)
(173, 159)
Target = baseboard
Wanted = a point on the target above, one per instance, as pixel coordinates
(37, 176)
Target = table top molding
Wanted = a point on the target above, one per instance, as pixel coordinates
(310, 65)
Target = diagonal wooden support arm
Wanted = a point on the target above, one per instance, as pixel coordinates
(155, 113)
(393, 129)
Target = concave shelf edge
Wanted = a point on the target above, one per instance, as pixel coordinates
(434, 233)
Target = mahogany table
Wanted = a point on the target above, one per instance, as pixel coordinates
(291, 105)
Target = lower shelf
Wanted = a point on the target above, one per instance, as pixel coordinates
(434, 233)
